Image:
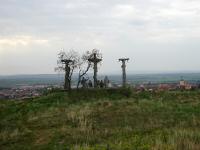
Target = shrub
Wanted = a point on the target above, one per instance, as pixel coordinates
(92, 94)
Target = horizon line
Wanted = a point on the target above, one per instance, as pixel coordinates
(132, 73)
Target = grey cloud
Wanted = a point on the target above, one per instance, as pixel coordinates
(148, 31)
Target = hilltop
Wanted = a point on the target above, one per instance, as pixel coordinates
(102, 120)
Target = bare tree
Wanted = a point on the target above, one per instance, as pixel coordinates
(67, 62)
(85, 64)
(83, 67)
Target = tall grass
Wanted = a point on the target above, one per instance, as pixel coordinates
(118, 119)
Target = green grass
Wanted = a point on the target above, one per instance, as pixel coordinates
(102, 120)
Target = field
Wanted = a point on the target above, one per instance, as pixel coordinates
(102, 120)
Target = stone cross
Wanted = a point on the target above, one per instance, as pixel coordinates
(123, 60)
(95, 60)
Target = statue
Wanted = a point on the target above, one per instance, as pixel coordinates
(84, 82)
(90, 84)
(106, 81)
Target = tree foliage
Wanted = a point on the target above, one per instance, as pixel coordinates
(77, 61)
(67, 62)
(85, 65)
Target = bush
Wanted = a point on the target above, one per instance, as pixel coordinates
(88, 94)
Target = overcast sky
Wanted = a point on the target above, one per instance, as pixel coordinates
(157, 35)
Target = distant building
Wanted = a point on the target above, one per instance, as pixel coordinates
(184, 85)
(164, 87)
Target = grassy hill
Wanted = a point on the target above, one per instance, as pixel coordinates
(102, 120)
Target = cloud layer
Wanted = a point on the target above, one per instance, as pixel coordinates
(157, 35)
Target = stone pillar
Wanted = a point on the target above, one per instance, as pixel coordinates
(123, 60)
(95, 61)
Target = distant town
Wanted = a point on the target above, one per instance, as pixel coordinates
(25, 87)
(37, 90)
(24, 92)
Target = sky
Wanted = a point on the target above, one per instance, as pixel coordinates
(157, 35)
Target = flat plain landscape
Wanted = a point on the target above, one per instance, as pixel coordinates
(52, 79)
(102, 120)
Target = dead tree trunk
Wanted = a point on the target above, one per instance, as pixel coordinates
(67, 85)
(68, 73)
(82, 74)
